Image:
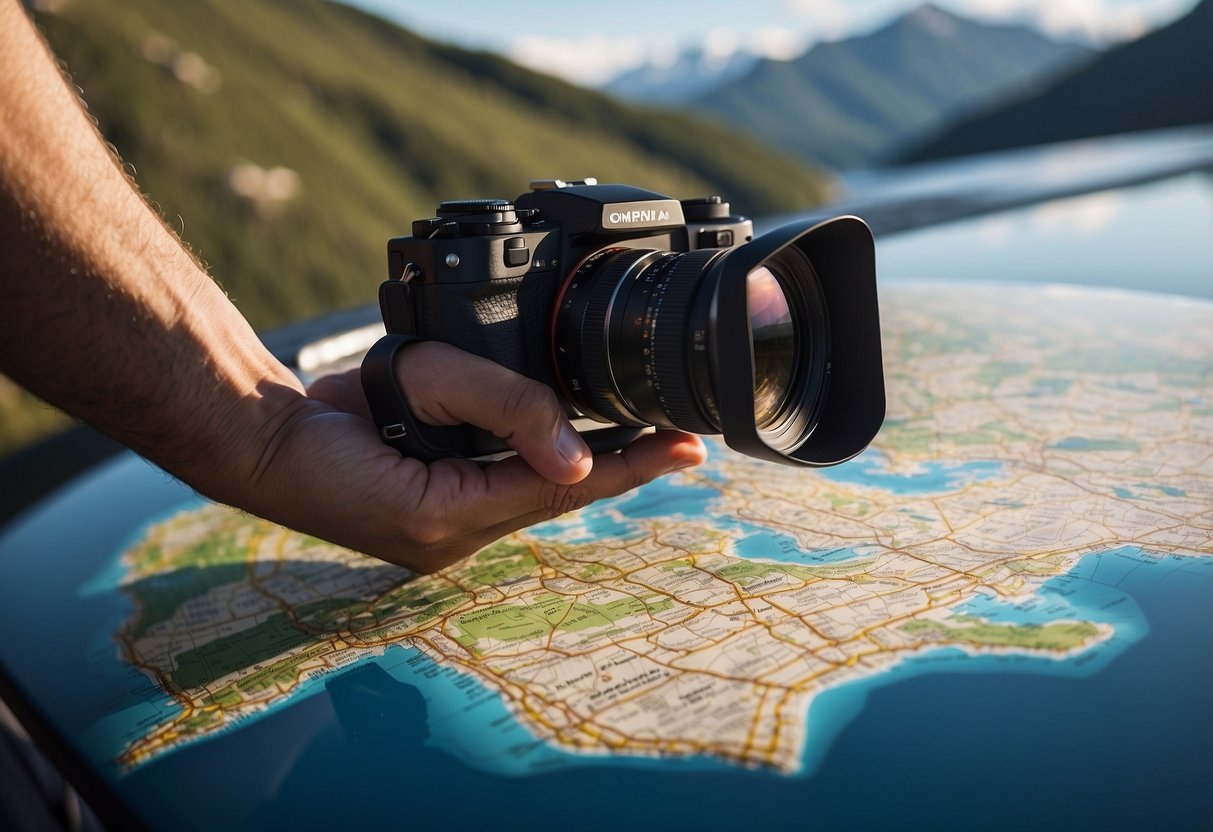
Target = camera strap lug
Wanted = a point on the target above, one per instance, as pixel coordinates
(392, 415)
(396, 301)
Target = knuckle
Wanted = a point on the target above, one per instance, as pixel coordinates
(415, 368)
(561, 499)
(426, 536)
(528, 401)
(425, 531)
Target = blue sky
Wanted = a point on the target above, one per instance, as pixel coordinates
(591, 42)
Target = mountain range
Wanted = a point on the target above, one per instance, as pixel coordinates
(1165, 79)
(855, 102)
(692, 73)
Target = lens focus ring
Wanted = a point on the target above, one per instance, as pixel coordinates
(671, 306)
(600, 394)
(623, 349)
(580, 334)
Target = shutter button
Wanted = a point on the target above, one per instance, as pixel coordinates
(516, 252)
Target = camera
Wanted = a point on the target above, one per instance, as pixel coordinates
(643, 311)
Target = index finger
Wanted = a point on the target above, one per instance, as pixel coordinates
(446, 386)
(513, 500)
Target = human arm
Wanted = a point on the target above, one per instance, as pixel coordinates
(106, 315)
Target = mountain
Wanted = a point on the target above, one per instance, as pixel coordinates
(1165, 79)
(692, 73)
(850, 103)
(291, 138)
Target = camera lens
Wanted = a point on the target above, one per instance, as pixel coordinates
(620, 338)
(634, 344)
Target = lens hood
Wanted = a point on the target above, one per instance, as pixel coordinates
(837, 415)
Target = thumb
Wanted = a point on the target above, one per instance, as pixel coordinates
(446, 386)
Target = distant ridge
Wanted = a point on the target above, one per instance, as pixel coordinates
(854, 102)
(691, 74)
(1165, 79)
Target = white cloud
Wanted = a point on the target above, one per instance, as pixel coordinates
(594, 59)
(721, 43)
(1099, 20)
(1102, 21)
(834, 19)
(780, 43)
(590, 60)
(776, 42)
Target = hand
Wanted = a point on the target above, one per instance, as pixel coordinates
(330, 474)
(161, 360)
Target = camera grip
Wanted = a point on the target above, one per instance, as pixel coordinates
(391, 412)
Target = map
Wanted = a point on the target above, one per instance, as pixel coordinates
(1002, 610)
(701, 617)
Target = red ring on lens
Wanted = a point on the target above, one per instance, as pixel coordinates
(559, 304)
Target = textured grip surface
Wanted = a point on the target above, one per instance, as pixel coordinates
(480, 318)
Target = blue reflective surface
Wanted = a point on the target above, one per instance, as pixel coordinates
(1154, 237)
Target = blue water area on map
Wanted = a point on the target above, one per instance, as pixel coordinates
(871, 469)
(756, 542)
(1147, 491)
(666, 498)
(1077, 595)
(675, 497)
(67, 571)
(615, 520)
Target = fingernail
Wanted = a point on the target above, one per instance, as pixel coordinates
(570, 444)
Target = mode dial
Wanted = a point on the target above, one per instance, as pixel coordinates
(481, 216)
(474, 206)
(705, 208)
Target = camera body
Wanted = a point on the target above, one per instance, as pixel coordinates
(642, 311)
(485, 274)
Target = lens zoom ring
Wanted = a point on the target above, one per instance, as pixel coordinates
(670, 349)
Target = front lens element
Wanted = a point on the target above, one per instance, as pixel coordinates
(774, 332)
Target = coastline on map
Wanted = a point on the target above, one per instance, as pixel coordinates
(469, 720)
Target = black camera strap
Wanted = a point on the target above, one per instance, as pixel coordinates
(390, 409)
